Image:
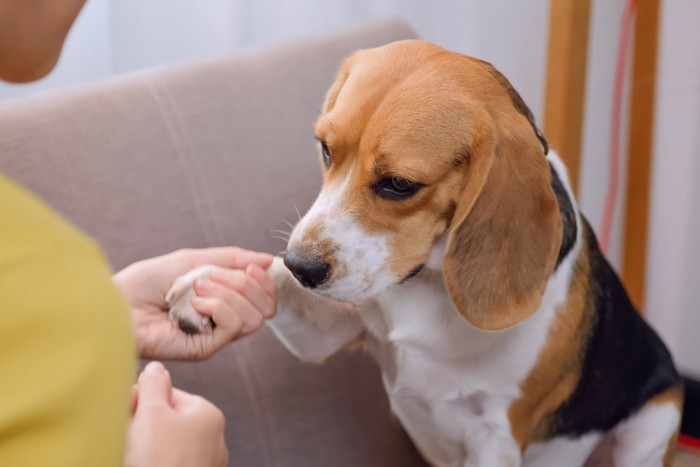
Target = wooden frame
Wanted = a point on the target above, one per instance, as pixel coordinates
(563, 117)
(566, 80)
(639, 149)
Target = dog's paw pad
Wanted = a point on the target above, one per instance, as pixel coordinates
(179, 301)
(188, 327)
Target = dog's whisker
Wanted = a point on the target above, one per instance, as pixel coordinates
(330, 124)
(321, 112)
(297, 210)
(291, 226)
(280, 238)
(283, 232)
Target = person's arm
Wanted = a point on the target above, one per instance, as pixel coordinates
(67, 359)
(238, 296)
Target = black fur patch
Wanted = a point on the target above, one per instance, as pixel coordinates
(624, 363)
(187, 326)
(691, 409)
(568, 216)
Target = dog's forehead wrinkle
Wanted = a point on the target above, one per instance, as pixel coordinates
(414, 142)
(401, 152)
(368, 95)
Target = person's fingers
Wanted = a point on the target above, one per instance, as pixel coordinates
(228, 324)
(182, 399)
(154, 386)
(249, 313)
(204, 410)
(228, 257)
(268, 284)
(198, 405)
(224, 280)
(233, 313)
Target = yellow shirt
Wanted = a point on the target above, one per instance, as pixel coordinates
(67, 356)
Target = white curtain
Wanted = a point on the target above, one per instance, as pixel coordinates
(116, 36)
(673, 263)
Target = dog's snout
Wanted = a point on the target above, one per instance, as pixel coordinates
(310, 271)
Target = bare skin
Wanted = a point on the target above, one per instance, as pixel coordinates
(32, 33)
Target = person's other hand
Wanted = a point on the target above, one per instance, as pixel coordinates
(238, 297)
(171, 428)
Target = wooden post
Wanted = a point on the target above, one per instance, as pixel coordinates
(641, 126)
(566, 80)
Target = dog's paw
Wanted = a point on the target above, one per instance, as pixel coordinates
(278, 271)
(290, 294)
(280, 274)
(179, 301)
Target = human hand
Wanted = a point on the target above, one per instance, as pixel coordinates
(171, 428)
(238, 296)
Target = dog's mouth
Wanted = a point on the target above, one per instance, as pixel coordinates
(318, 276)
(340, 261)
(412, 273)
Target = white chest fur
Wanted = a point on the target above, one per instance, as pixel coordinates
(449, 383)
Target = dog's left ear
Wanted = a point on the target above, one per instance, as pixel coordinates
(506, 231)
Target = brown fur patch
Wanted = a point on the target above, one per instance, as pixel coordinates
(553, 379)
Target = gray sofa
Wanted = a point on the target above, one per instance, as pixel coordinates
(210, 154)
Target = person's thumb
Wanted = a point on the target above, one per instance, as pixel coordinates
(154, 386)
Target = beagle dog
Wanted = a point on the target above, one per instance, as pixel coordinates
(447, 243)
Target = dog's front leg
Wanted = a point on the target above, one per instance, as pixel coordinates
(311, 327)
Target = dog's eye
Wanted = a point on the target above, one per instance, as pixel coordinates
(326, 154)
(396, 188)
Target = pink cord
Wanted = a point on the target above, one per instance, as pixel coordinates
(613, 181)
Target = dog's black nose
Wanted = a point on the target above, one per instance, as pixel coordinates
(308, 270)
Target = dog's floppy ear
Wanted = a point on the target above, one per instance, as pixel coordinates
(506, 230)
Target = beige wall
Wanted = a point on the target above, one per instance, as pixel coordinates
(595, 151)
(673, 276)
